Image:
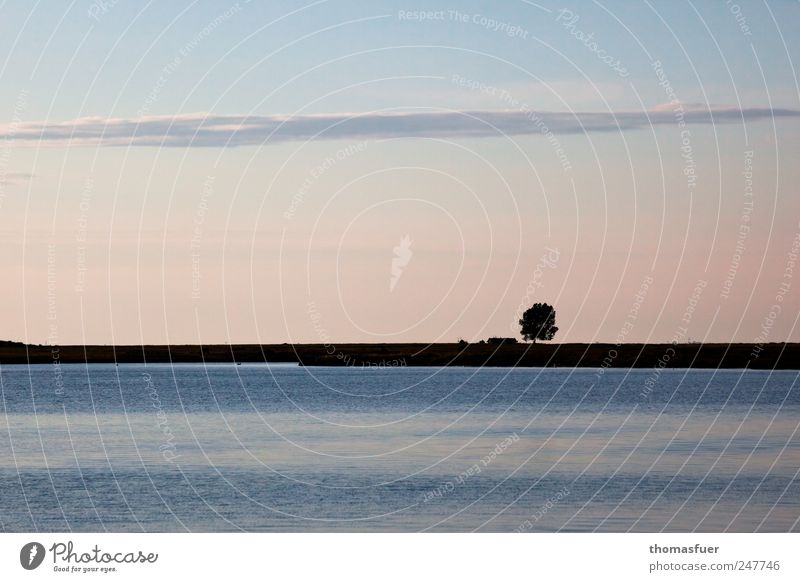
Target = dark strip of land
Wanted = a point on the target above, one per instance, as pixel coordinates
(756, 356)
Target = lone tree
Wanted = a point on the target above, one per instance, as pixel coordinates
(538, 322)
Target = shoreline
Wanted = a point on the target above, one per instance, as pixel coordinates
(784, 356)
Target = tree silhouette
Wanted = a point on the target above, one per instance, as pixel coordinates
(538, 322)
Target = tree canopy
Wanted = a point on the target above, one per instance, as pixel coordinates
(538, 322)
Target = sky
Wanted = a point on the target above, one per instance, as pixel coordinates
(336, 171)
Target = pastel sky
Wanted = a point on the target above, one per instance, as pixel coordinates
(398, 171)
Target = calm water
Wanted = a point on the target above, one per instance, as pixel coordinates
(283, 448)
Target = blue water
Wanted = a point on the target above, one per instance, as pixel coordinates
(284, 448)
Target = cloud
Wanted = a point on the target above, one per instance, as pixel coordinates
(15, 177)
(211, 130)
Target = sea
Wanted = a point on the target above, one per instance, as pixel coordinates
(285, 448)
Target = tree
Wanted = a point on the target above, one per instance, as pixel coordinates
(538, 322)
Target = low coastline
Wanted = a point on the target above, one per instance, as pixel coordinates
(784, 356)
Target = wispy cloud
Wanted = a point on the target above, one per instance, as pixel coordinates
(15, 177)
(210, 130)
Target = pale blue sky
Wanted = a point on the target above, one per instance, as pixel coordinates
(56, 50)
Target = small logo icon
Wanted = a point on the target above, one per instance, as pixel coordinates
(31, 555)
(402, 255)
